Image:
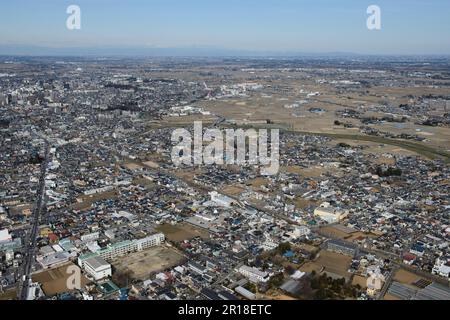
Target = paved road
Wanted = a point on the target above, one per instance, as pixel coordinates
(30, 245)
(388, 283)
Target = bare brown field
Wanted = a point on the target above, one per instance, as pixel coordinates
(302, 203)
(308, 247)
(188, 174)
(362, 281)
(436, 136)
(54, 281)
(144, 182)
(140, 265)
(132, 166)
(390, 297)
(311, 172)
(344, 233)
(151, 164)
(261, 296)
(375, 148)
(9, 295)
(271, 105)
(358, 235)
(257, 183)
(334, 264)
(181, 232)
(233, 190)
(406, 277)
(87, 201)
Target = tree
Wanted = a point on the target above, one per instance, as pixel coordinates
(343, 145)
(123, 278)
(276, 280)
(283, 247)
(388, 172)
(315, 283)
(320, 294)
(336, 286)
(251, 287)
(290, 270)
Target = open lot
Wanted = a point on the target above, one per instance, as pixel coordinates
(140, 265)
(232, 190)
(181, 232)
(9, 295)
(362, 281)
(334, 264)
(345, 233)
(54, 281)
(406, 277)
(312, 172)
(85, 201)
(272, 105)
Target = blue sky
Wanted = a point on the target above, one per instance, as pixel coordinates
(408, 26)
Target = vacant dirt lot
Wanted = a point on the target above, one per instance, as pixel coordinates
(232, 190)
(405, 277)
(9, 295)
(140, 265)
(311, 172)
(334, 264)
(85, 201)
(181, 232)
(348, 234)
(362, 281)
(54, 281)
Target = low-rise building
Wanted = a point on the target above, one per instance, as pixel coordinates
(97, 267)
(253, 274)
(342, 247)
(329, 214)
(442, 267)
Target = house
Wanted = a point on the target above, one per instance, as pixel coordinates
(375, 281)
(5, 236)
(417, 250)
(409, 258)
(442, 267)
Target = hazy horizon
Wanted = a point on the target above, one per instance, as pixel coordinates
(201, 27)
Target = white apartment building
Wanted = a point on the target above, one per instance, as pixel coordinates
(253, 274)
(90, 237)
(127, 246)
(150, 241)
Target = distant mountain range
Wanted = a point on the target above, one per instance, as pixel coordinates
(27, 50)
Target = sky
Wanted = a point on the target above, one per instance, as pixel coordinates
(307, 26)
